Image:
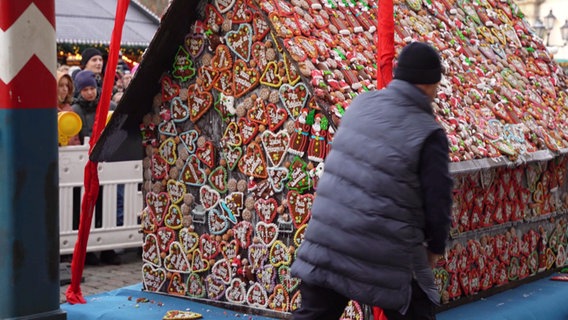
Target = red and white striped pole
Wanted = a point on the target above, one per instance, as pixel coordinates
(29, 186)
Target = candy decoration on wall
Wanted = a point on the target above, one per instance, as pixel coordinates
(248, 129)
(151, 252)
(169, 89)
(276, 116)
(183, 69)
(168, 152)
(194, 43)
(317, 147)
(253, 162)
(153, 278)
(294, 98)
(240, 41)
(276, 146)
(198, 102)
(300, 136)
(298, 177)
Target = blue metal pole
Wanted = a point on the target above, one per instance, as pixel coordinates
(29, 187)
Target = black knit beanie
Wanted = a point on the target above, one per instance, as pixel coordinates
(419, 63)
(87, 54)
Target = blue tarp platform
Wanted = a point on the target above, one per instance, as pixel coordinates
(542, 299)
(121, 304)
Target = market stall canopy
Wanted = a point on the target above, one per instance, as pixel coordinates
(91, 22)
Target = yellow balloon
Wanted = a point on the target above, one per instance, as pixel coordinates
(68, 123)
(63, 140)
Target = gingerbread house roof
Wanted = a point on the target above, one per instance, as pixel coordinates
(503, 98)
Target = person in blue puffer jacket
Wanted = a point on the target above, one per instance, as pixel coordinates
(381, 216)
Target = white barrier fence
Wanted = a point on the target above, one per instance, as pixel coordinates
(116, 178)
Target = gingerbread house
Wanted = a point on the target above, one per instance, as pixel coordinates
(233, 111)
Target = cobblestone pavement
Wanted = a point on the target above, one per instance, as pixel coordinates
(103, 278)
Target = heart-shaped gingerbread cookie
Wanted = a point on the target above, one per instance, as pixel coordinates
(240, 41)
(153, 278)
(275, 145)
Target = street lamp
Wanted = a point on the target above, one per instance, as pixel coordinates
(539, 28)
(543, 29)
(564, 31)
(549, 21)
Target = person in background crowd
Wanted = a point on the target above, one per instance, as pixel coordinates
(378, 242)
(123, 77)
(86, 103)
(122, 82)
(63, 68)
(86, 106)
(73, 70)
(117, 96)
(122, 66)
(65, 90)
(92, 60)
(126, 78)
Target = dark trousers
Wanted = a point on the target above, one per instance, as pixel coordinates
(319, 303)
(326, 304)
(421, 308)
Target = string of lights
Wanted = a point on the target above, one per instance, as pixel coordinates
(70, 53)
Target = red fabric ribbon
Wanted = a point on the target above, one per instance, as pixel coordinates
(385, 42)
(385, 56)
(91, 179)
(378, 314)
